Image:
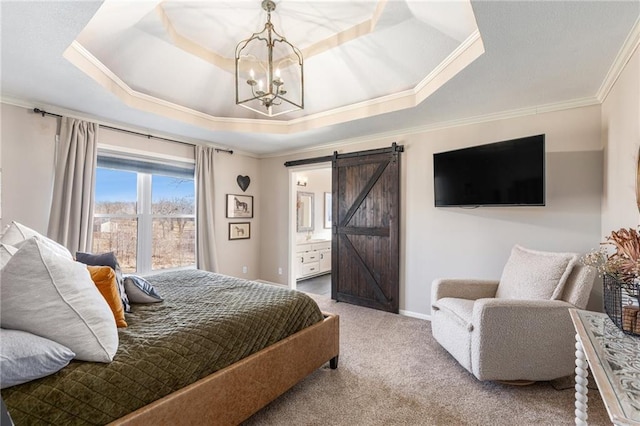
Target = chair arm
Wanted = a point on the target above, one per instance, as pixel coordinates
(510, 335)
(463, 289)
(517, 308)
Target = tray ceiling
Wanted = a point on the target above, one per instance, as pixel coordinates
(361, 58)
(371, 67)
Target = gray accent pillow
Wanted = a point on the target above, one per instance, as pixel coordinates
(107, 259)
(140, 290)
(25, 357)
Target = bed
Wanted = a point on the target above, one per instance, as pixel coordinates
(217, 350)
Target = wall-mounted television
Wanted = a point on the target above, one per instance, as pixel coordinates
(507, 173)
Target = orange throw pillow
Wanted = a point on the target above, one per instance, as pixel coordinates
(105, 279)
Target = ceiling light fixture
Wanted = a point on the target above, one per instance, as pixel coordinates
(264, 62)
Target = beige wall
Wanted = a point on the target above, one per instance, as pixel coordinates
(454, 242)
(28, 146)
(28, 142)
(441, 242)
(621, 141)
(236, 254)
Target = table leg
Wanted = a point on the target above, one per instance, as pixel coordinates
(581, 385)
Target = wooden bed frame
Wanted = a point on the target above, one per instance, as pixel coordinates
(231, 395)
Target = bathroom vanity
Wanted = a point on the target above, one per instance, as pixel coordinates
(313, 258)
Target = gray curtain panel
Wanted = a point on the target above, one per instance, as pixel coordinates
(206, 257)
(71, 217)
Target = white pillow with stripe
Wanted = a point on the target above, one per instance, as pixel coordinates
(16, 234)
(6, 251)
(49, 295)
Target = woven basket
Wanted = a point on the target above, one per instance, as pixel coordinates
(621, 303)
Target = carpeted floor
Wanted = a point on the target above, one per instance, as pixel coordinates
(392, 372)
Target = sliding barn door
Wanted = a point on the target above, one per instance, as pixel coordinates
(365, 243)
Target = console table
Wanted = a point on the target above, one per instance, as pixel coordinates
(614, 360)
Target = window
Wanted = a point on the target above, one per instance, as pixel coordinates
(145, 213)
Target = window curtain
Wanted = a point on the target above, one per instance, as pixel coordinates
(71, 217)
(206, 257)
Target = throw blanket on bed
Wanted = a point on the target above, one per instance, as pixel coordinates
(206, 322)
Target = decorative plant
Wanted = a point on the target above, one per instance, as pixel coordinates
(619, 257)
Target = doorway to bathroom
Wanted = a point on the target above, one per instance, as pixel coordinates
(365, 228)
(310, 225)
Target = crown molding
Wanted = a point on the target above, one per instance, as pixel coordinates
(29, 105)
(473, 46)
(486, 118)
(624, 55)
(465, 54)
(504, 115)
(192, 47)
(461, 57)
(90, 65)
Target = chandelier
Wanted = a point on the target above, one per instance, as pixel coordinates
(269, 75)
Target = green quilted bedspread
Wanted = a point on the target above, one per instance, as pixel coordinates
(206, 322)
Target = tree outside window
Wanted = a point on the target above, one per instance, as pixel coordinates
(147, 219)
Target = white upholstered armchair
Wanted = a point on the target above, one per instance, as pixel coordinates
(517, 328)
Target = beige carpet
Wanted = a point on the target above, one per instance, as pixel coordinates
(392, 372)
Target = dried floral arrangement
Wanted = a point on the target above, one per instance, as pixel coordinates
(619, 257)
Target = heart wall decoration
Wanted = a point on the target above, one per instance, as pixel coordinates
(243, 182)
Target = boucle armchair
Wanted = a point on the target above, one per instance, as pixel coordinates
(517, 328)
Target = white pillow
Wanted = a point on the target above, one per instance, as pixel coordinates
(47, 294)
(17, 233)
(25, 357)
(6, 251)
(531, 274)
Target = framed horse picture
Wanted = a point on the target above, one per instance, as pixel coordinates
(239, 230)
(239, 206)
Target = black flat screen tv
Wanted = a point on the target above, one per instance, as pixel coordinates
(507, 173)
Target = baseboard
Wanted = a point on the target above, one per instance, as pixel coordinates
(415, 315)
(270, 282)
(402, 311)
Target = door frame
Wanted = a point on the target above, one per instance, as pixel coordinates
(293, 199)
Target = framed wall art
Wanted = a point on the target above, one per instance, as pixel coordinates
(239, 206)
(239, 230)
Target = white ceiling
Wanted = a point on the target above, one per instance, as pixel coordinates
(163, 67)
(353, 52)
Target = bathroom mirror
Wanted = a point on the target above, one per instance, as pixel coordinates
(305, 211)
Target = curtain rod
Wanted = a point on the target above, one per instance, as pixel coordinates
(39, 111)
